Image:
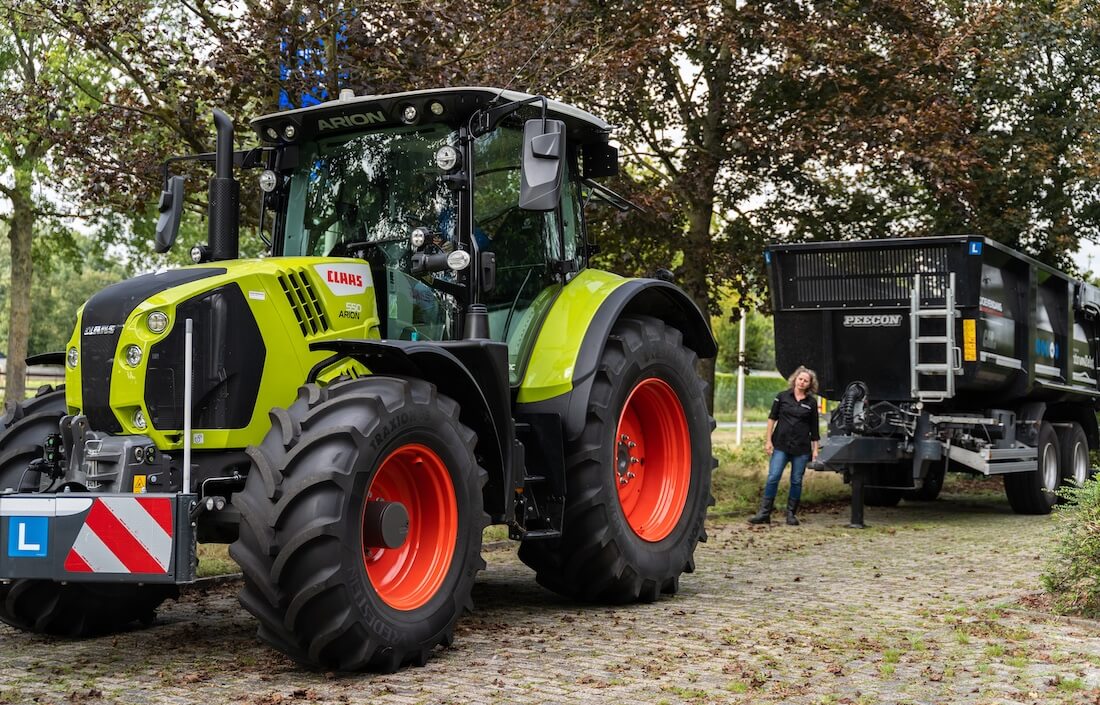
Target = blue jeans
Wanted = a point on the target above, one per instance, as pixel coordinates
(775, 472)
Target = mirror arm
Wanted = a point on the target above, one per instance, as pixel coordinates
(484, 121)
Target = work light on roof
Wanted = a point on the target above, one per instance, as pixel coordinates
(272, 133)
(409, 114)
(289, 131)
(436, 107)
(446, 158)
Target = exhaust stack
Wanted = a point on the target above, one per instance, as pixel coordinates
(225, 195)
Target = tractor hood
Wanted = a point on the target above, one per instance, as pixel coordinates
(252, 322)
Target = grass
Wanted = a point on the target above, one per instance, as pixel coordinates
(738, 482)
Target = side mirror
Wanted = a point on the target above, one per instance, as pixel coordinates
(543, 165)
(171, 208)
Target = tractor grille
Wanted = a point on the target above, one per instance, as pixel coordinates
(304, 302)
(878, 276)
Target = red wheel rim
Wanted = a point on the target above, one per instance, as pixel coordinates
(652, 459)
(408, 576)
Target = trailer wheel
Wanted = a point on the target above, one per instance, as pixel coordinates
(361, 523)
(931, 485)
(43, 606)
(1074, 459)
(1033, 492)
(638, 476)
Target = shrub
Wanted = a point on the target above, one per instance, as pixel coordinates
(1072, 576)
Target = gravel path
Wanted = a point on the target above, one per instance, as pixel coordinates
(927, 606)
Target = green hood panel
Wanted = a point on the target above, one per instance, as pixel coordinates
(294, 301)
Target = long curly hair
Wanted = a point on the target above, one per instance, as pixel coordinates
(800, 370)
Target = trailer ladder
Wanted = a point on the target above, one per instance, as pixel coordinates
(920, 339)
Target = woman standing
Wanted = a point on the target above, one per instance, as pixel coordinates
(792, 438)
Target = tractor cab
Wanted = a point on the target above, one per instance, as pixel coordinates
(456, 197)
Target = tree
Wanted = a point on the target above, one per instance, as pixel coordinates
(28, 57)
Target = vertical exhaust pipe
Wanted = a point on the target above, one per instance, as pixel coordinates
(225, 195)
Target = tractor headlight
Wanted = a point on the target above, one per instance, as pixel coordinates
(459, 259)
(289, 131)
(73, 358)
(133, 355)
(418, 237)
(157, 321)
(436, 107)
(409, 114)
(139, 420)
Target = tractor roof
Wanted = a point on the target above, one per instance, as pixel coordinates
(447, 105)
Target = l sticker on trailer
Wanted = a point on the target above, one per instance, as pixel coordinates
(970, 340)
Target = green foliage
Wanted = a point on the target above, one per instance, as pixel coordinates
(1072, 576)
(759, 342)
(759, 392)
(66, 276)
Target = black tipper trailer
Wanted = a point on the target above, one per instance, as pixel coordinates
(945, 353)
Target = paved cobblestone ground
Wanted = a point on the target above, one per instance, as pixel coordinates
(928, 606)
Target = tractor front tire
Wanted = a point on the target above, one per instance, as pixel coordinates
(638, 476)
(323, 592)
(43, 606)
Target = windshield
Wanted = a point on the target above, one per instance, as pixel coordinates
(372, 188)
(361, 197)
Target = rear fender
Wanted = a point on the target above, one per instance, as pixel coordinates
(472, 372)
(564, 388)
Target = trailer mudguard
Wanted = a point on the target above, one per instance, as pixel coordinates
(472, 372)
(563, 362)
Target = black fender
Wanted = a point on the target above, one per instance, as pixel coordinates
(648, 297)
(472, 372)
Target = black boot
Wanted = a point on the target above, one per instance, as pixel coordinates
(792, 509)
(764, 516)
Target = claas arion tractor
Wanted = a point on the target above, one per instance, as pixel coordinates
(425, 351)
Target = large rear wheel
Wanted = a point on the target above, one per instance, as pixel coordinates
(638, 476)
(1032, 492)
(43, 606)
(361, 523)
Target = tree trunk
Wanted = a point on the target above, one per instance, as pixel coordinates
(20, 233)
(697, 255)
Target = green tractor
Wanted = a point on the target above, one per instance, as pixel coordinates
(424, 352)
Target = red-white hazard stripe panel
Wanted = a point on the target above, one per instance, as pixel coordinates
(124, 535)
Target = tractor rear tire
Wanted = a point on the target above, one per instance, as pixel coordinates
(25, 428)
(1074, 460)
(43, 606)
(1033, 492)
(630, 528)
(322, 594)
